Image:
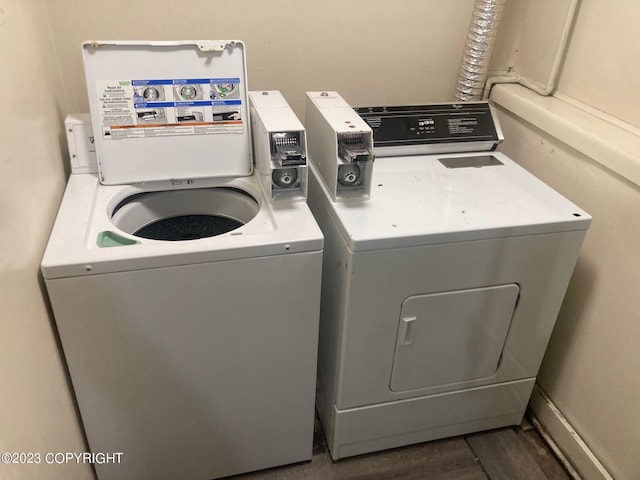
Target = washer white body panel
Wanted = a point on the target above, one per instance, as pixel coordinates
(440, 269)
(193, 358)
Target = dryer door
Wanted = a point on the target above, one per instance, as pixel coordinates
(452, 337)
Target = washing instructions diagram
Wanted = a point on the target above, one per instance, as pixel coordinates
(170, 107)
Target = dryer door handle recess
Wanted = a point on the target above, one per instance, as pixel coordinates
(406, 329)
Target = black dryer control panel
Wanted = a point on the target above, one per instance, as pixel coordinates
(410, 125)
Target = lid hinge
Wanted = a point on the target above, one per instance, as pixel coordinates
(218, 46)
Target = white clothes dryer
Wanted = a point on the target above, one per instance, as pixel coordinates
(187, 305)
(440, 290)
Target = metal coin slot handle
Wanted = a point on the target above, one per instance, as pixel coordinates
(353, 149)
(285, 177)
(348, 175)
(184, 214)
(287, 149)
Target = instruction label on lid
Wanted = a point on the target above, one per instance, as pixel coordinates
(145, 108)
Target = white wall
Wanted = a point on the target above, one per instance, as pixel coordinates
(369, 50)
(591, 368)
(601, 69)
(36, 408)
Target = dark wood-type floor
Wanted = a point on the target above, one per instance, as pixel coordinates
(517, 453)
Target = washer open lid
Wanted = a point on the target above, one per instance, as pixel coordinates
(168, 110)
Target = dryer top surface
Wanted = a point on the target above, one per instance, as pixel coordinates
(430, 199)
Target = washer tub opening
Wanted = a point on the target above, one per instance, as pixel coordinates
(185, 214)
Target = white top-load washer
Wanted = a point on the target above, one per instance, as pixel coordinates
(441, 289)
(187, 304)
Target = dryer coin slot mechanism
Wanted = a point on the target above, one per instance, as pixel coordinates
(353, 149)
(340, 146)
(348, 175)
(356, 158)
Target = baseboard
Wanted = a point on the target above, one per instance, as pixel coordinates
(564, 439)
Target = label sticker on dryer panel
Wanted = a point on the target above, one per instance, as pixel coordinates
(169, 107)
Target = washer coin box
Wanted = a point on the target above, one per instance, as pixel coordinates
(280, 147)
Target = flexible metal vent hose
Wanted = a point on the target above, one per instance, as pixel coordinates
(485, 20)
